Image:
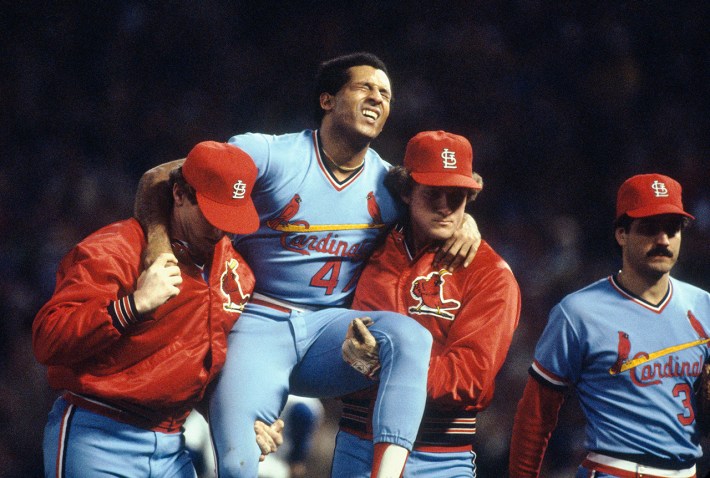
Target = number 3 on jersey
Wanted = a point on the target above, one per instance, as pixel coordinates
(684, 390)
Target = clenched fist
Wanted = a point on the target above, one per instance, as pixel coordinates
(157, 284)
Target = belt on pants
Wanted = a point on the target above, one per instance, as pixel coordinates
(280, 305)
(166, 422)
(629, 469)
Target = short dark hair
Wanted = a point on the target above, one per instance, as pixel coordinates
(176, 177)
(624, 221)
(398, 181)
(333, 74)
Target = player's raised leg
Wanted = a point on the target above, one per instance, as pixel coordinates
(252, 385)
(403, 349)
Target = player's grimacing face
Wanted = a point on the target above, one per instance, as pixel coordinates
(435, 212)
(652, 244)
(363, 103)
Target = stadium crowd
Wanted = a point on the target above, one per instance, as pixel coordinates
(561, 103)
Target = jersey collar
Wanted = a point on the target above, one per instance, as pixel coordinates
(658, 308)
(325, 169)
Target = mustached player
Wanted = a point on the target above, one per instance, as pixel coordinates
(631, 346)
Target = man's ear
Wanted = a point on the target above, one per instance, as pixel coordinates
(178, 195)
(620, 235)
(326, 101)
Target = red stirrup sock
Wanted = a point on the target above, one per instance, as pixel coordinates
(389, 460)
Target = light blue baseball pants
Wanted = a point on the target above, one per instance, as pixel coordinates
(273, 353)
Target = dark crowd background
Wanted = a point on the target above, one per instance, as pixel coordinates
(562, 101)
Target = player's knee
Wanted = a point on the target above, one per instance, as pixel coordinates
(416, 337)
(236, 465)
(406, 335)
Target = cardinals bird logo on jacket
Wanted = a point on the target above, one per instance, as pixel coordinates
(428, 291)
(232, 288)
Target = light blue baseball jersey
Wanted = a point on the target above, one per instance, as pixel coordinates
(632, 364)
(318, 232)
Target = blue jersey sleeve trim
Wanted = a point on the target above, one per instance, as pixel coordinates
(543, 380)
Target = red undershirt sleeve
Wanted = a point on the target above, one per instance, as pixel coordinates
(535, 419)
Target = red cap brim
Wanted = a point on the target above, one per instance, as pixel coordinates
(239, 219)
(446, 180)
(656, 210)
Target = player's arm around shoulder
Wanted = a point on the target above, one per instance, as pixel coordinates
(152, 208)
(460, 249)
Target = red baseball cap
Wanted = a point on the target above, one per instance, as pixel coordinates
(438, 158)
(649, 195)
(223, 177)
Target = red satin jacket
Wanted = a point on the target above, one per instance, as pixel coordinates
(146, 370)
(471, 313)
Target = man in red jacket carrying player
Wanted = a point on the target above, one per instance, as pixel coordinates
(471, 313)
(133, 350)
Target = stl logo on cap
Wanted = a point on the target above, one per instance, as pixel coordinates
(223, 176)
(659, 189)
(449, 158)
(239, 190)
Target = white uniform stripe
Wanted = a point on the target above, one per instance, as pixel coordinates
(550, 378)
(119, 314)
(642, 470)
(63, 437)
